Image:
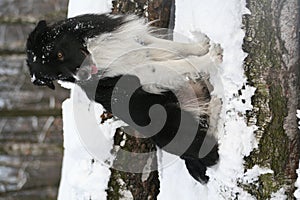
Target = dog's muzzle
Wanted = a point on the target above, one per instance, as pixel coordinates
(42, 82)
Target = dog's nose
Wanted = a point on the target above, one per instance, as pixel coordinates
(84, 73)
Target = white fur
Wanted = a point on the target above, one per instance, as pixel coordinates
(160, 64)
(133, 50)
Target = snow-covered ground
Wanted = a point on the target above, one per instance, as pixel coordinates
(82, 178)
(221, 21)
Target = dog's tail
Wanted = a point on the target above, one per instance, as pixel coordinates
(197, 166)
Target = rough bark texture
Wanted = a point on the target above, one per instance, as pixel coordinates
(160, 11)
(140, 186)
(272, 66)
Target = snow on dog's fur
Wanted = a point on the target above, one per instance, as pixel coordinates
(137, 52)
(113, 48)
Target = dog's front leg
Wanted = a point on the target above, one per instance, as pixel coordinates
(199, 48)
(207, 64)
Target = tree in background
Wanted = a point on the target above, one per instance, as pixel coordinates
(272, 66)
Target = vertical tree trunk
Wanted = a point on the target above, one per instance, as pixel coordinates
(127, 185)
(272, 66)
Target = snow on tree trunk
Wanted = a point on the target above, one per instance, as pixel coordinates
(272, 66)
(122, 184)
(272, 44)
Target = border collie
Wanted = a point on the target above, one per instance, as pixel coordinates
(159, 87)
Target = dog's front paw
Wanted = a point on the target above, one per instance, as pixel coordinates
(203, 42)
(216, 53)
(201, 38)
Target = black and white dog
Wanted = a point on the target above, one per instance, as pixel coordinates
(122, 64)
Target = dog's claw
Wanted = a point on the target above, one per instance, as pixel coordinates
(203, 43)
(216, 53)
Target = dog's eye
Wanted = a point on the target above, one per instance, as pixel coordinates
(60, 56)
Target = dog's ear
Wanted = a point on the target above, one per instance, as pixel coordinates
(33, 36)
(41, 25)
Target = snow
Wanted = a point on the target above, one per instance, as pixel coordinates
(297, 184)
(79, 7)
(298, 116)
(279, 195)
(221, 21)
(252, 175)
(82, 177)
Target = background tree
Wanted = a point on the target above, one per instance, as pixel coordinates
(30, 119)
(272, 66)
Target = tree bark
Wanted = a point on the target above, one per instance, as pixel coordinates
(140, 186)
(272, 66)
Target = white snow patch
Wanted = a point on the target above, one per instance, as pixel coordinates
(297, 184)
(79, 7)
(298, 115)
(82, 177)
(222, 22)
(125, 194)
(279, 195)
(252, 175)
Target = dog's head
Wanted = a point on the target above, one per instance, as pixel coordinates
(54, 53)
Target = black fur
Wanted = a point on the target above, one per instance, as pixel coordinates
(69, 37)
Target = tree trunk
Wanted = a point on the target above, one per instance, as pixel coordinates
(272, 66)
(123, 184)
